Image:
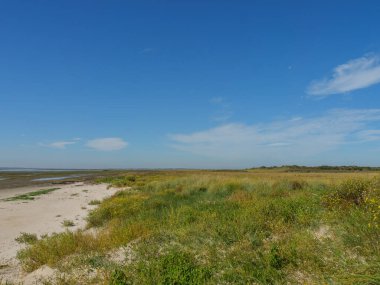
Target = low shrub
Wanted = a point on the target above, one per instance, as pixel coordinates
(349, 192)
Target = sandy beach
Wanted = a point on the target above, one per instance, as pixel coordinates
(43, 215)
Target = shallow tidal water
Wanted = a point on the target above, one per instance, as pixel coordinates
(56, 178)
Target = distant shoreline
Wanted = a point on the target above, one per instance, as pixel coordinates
(262, 167)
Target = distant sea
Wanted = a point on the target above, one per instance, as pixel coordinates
(9, 169)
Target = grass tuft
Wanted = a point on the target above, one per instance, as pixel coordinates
(68, 223)
(26, 238)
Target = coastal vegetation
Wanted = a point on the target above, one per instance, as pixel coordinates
(31, 195)
(261, 226)
(68, 223)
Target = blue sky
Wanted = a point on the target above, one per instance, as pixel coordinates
(200, 84)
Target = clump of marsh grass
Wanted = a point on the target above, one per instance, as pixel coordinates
(94, 202)
(68, 223)
(26, 238)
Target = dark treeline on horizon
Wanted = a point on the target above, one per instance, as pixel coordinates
(294, 168)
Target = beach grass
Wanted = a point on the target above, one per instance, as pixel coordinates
(203, 227)
(68, 223)
(31, 195)
(26, 238)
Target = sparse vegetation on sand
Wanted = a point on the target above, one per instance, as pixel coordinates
(224, 228)
(68, 223)
(26, 238)
(31, 195)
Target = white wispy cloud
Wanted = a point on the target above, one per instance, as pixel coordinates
(355, 74)
(369, 135)
(58, 144)
(107, 144)
(281, 139)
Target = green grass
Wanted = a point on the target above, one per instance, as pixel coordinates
(226, 228)
(31, 195)
(26, 238)
(68, 223)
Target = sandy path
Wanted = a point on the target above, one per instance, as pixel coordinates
(44, 215)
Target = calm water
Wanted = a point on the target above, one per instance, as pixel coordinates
(56, 178)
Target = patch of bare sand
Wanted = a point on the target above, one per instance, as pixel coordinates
(323, 232)
(43, 215)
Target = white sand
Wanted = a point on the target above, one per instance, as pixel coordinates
(44, 215)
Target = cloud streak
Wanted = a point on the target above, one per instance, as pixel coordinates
(59, 144)
(107, 144)
(281, 140)
(355, 74)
